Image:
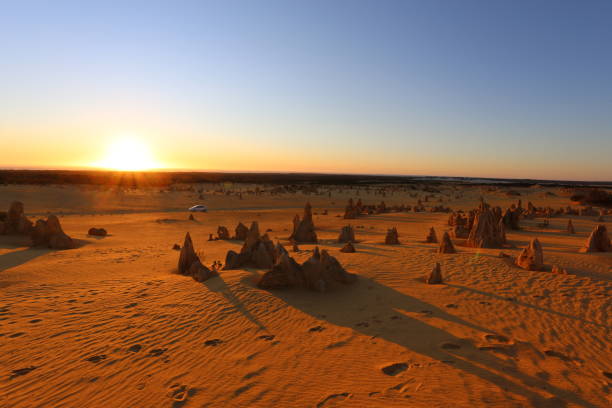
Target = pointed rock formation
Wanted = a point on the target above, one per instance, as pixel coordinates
(431, 238)
(570, 227)
(191, 217)
(348, 248)
(304, 230)
(485, 232)
(286, 273)
(435, 276)
(502, 231)
(392, 237)
(347, 234)
(598, 241)
(511, 219)
(223, 233)
(187, 256)
(351, 211)
(49, 233)
(320, 272)
(257, 251)
(446, 245)
(189, 263)
(14, 221)
(532, 257)
(241, 232)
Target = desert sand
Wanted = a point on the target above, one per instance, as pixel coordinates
(111, 324)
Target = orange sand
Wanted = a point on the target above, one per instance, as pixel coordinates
(109, 325)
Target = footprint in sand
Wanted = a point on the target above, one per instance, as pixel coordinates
(450, 346)
(244, 389)
(96, 359)
(135, 348)
(496, 338)
(267, 337)
(178, 392)
(255, 373)
(36, 321)
(395, 369)
(452, 306)
(316, 329)
(607, 374)
(553, 353)
(157, 352)
(19, 334)
(363, 324)
(213, 342)
(130, 305)
(334, 398)
(22, 371)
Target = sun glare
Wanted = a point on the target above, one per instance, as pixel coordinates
(128, 154)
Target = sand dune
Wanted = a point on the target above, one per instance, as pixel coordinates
(109, 324)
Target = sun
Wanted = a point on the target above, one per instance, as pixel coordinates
(128, 154)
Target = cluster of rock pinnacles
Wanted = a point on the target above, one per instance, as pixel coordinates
(320, 272)
(483, 227)
(44, 233)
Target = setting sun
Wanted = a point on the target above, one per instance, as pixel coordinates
(128, 154)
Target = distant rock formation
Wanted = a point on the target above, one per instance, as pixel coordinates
(257, 251)
(446, 245)
(49, 233)
(532, 257)
(392, 237)
(321, 272)
(304, 230)
(14, 222)
(351, 211)
(347, 234)
(98, 232)
(598, 241)
(486, 231)
(570, 227)
(435, 276)
(189, 263)
(241, 232)
(348, 248)
(502, 231)
(431, 238)
(191, 217)
(511, 219)
(223, 233)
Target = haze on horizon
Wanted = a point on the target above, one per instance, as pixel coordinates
(515, 89)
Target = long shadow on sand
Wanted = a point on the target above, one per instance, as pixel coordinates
(404, 321)
(19, 257)
(218, 285)
(535, 307)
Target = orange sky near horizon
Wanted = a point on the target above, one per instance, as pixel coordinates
(65, 149)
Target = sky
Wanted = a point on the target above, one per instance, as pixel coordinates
(514, 89)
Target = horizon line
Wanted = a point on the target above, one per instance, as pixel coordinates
(179, 170)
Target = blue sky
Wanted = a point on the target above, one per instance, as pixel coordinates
(474, 88)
